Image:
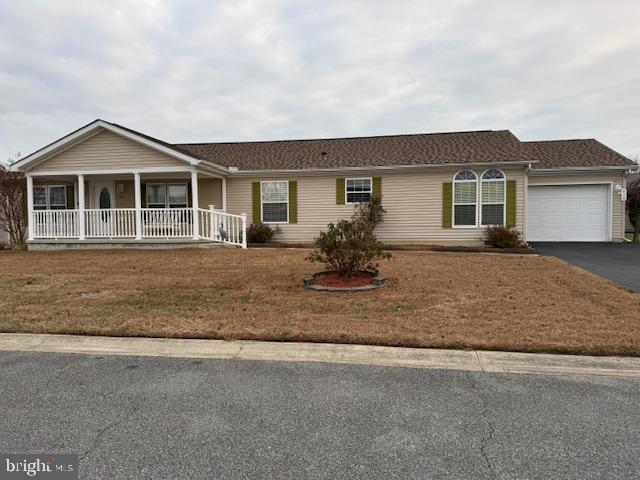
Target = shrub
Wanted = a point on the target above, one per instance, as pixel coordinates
(350, 245)
(500, 236)
(261, 232)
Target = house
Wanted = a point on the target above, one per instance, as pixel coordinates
(631, 179)
(107, 184)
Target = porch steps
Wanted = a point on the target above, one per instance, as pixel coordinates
(118, 244)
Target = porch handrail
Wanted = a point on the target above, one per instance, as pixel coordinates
(110, 222)
(224, 227)
(55, 224)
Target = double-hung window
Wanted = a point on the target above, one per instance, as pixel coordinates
(161, 195)
(156, 195)
(275, 201)
(177, 195)
(493, 197)
(50, 197)
(358, 190)
(465, 199)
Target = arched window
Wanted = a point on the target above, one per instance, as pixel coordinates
(465, 199)
(493, 187)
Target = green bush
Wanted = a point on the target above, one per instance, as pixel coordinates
(351, 246)
(261, 233)
(500, 236)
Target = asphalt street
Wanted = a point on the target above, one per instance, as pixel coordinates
(156, 418)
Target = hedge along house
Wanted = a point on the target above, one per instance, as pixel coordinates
(108, 185)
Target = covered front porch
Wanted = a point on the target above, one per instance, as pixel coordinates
(155, 206)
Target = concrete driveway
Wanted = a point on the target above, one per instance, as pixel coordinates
(143, 417)
(619, 262)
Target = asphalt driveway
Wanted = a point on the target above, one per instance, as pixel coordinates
(619, 262)
(142, 417)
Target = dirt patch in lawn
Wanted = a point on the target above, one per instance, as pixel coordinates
(523, 303)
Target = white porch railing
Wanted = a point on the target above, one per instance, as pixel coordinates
(214, 225)
(110, 223)
(223, 227)
(167, 222)
(55, 224)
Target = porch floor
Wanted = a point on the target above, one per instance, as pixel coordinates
(121, 243)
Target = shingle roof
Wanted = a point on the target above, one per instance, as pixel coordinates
(391, 150)
(573, 153)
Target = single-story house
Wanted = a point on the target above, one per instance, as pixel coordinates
(105, 183)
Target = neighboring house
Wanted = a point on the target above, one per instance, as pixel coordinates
(631, 179)
(440, 188)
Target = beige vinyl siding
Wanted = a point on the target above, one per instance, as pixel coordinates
(413, 201)
(617, 206)
(104, 151)
(209, 191)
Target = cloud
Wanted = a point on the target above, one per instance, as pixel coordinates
(198, 70)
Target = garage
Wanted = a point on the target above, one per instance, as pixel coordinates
(568, 213)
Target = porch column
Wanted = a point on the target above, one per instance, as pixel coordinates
(30, 206)
(81, 225)
(224, 194)
(194, 204)
(137, 189)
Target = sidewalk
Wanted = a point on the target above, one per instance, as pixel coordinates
(481, 361)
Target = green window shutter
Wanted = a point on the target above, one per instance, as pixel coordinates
(70, 200)
(447, 204)
(339, 191)
(257, 204)
(377, 186)
(293, 201)
(143, 194)
(511, 203)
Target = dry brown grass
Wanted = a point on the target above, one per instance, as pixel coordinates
(523, 303)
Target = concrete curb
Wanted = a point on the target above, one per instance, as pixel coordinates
(470, 360)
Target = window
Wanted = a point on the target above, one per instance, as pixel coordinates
(162, 195)
(465, 199)
(39, 198)
(177, 196)
(275, 201)
(493, 195)
(156, 195)
(51, 197)
(358, 190)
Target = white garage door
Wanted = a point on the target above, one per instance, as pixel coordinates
(568, 213)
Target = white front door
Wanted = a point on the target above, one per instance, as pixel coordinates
(103, 199)
(568, 213)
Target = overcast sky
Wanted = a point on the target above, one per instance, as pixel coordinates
(199, 70)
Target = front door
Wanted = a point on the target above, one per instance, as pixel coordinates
(103, 199)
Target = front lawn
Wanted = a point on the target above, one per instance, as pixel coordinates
(524, 303)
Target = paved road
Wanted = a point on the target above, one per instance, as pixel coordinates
(143, 417)
(619, 262)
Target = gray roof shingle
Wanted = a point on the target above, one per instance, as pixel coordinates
(391, 150)
(574, 153)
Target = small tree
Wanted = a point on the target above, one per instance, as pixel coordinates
(13, 189)
(371, 212)
(351, 246)
(633, 207)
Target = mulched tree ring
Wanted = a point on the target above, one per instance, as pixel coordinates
(332, 282)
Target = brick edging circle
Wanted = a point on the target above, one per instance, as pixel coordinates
(378, 281)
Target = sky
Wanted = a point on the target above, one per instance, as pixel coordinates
(206, 71)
